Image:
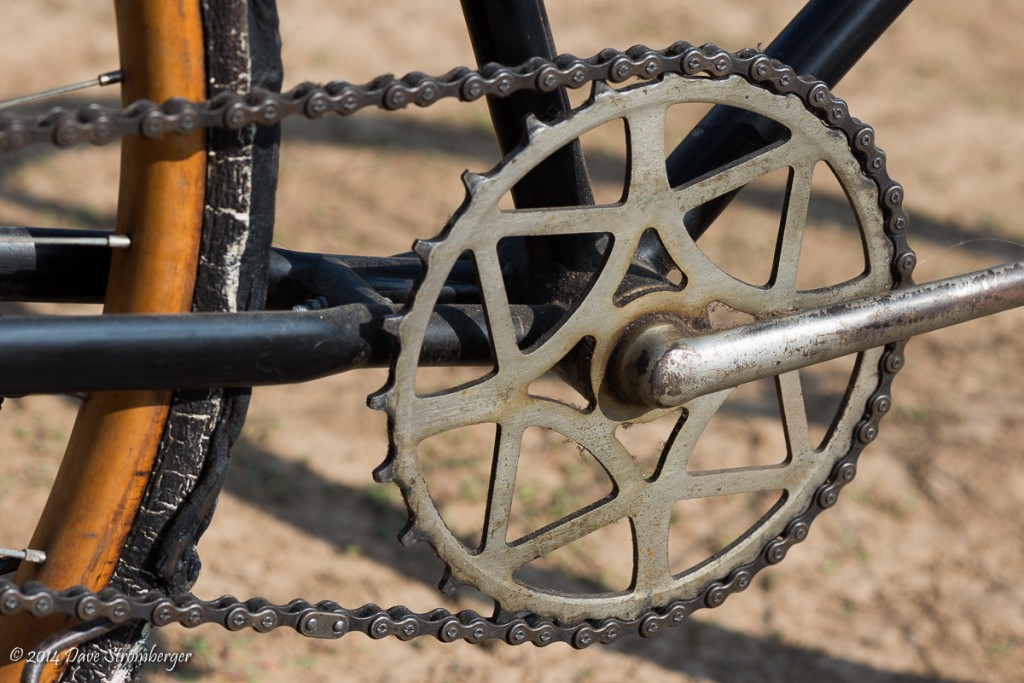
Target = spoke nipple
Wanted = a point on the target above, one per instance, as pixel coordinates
(533, 126)
(110, 78)
(119, 241)
(26, 555)
(317, 304)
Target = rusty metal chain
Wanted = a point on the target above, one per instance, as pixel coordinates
(99, 125)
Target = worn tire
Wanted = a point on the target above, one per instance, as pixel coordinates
(242, 53)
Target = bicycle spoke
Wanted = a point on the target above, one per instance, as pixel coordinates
(102, 80)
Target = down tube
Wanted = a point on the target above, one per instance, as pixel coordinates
(825, 40)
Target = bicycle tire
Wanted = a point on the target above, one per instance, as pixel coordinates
(241, 43)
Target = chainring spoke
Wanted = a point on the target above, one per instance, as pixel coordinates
(648, 177)
(680, 446)
(794, 218)
(563, 221)
(502, 487)
(738, 174)
(567, 530)
(650, 537)
(730, 482)
(794, 416)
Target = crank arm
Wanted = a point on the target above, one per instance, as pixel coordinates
(660, 365)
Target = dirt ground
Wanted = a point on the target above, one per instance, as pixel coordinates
(913, 577)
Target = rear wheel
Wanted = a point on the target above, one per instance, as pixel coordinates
(142, 470)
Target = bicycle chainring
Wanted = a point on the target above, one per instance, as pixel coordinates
(495, 558)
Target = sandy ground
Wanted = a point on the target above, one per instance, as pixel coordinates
(913, 577)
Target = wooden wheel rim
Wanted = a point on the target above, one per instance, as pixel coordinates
(107, 463)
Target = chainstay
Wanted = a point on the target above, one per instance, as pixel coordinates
(99, 125)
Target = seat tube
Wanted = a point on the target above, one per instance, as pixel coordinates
(511, 33)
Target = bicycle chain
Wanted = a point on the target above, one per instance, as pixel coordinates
(327, 619)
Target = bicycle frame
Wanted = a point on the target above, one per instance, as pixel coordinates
(92, 353)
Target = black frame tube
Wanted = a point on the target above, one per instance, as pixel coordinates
(825, 40)
(49, 272)
(506, 32)
(69, 354)
(64, 354)
(828, 37)
(33, 272)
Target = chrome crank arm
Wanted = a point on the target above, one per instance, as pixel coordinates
(660, 365)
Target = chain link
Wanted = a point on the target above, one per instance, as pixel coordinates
(100, 125)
